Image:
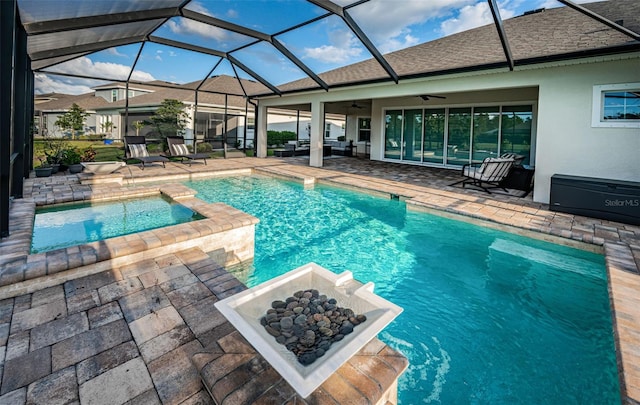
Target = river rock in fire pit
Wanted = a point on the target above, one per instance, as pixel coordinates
(307, 323)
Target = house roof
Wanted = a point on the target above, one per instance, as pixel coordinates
(59, 32)
(546, 35)
(152, 86)
(224, 86)
(87, 101)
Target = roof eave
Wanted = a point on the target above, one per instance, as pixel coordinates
(619, 49)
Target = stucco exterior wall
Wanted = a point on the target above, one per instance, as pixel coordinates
(564, 140)
(567, 143)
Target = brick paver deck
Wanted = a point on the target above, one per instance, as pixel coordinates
(130, 333)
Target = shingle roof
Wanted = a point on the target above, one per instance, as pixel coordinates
(558, 33)
(87, 101)
(219, 84)
(153, 85)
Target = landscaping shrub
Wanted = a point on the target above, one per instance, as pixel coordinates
(279, 138)
(204, 147)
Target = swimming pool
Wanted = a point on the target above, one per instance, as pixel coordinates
(74, 224)
(489, 317)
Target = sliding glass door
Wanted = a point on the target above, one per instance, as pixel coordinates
(486, 127)
(434, 120)
(516, 131)
(457, 136)
(393, 134)
(412, 134)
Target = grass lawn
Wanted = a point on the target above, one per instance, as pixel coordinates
(109, 153)
(104, 153)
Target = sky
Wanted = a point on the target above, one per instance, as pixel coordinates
(324, 45)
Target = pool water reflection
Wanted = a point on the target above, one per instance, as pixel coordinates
(489, 317)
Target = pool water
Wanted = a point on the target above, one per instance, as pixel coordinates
(75, 224)
(489, 317)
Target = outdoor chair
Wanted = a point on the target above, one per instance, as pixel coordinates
(135, 148)
(487, 174)
(178, 149)
(517, 159)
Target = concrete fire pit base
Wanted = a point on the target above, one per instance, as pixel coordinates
(102, 167)
(245, 309)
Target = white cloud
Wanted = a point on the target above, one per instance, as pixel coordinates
(390, 27)
(343, 46)
(114, 52)
(231, 13)
(46, 84)
(199, 8)
(191, 27)
(473, 16)
(85, 67)
(393, 44)
(111, 71)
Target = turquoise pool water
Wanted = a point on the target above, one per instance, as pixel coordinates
(489, 317)
(70, 225)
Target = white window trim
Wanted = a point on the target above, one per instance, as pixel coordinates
(363, 117)
(596, 112)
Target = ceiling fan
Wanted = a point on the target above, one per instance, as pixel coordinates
(355, 105)
(426, 97)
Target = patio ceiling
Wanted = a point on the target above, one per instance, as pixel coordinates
(62, 32)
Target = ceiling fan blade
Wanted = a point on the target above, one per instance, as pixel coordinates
(426, 97)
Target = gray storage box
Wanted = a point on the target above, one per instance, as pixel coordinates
(615, 200)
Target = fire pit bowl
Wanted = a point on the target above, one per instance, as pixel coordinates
(245, 309)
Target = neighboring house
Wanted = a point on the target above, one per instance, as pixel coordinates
(49, 107)
(217, 114)
(285, 120)
(571, 105)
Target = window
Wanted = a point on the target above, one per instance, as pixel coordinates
(364, 129)
(327, 130)
(114, 95)
(616, 105)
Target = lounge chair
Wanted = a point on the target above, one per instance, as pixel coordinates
(487, 174)
(135, 148)
(178, 149)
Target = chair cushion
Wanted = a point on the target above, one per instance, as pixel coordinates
(138, 150)
(179, 149)
(473, 172)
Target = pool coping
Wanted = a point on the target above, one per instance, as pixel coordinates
(26, 273)
(618, 242)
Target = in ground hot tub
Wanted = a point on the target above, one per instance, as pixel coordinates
(73, 224)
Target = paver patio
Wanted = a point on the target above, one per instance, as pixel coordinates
(129, 334)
